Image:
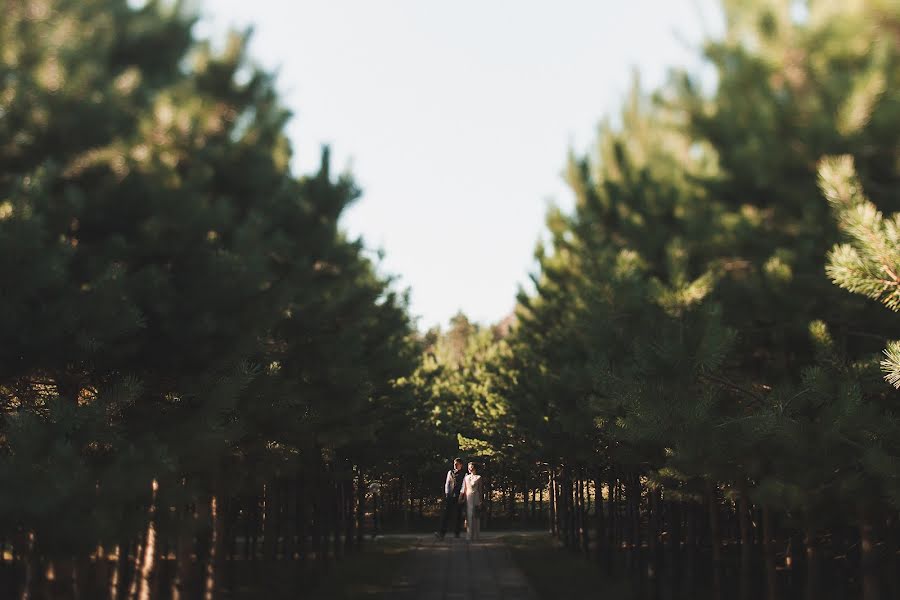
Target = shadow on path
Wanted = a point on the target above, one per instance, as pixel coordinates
(456, 569)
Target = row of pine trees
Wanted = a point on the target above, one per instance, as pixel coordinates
(197, 367)
(699, 367)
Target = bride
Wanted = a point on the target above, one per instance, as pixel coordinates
(471, 494)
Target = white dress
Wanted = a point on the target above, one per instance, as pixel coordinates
(472, 490)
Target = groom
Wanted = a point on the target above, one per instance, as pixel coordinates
(452, 487)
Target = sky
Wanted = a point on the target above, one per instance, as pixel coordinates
(455, 118)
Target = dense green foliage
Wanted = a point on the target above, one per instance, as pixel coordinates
(684, 356)
(192, 351)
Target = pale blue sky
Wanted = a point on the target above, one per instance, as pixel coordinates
(455, 117)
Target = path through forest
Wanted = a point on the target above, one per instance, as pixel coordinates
(455, 569)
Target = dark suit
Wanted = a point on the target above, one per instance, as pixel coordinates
(452, 505)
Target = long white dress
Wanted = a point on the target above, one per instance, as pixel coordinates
(472, 490)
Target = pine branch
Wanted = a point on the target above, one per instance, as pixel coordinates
(759, 400)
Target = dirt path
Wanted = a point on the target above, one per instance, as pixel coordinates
(454, 569)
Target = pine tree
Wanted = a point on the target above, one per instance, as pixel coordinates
(189, 333)
(868, 264)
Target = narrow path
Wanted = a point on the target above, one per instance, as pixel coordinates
(454, 569)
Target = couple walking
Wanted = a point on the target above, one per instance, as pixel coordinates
(461, 490)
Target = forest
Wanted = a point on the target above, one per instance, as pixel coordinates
(207, 388)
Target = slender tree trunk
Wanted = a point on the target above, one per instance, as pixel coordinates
(360, 505)
(812, 564)
(332, 502)
(587, 494)
(301, 529)
(891, 552)
(675, 531)
(148, 562)
(254, 528)
(287, 519)
(101, 573)
(541, 500)
(625, 489)
(410, 504)
(214, 562)
(29, 557)
(268, 522)
(249, 521)
(690, 551)
(136, 570)
(562, 506)
(585, 531)
(551, 497)
(571, 511)
(376, 515)
(654, 528)
(746, 590)
(119, 583)
(715, 539)
(769, 555)
(599, 521)
(350, 508)
(612, 511)
(82, 583)
(634, 503)
(868, 559)
(183, 551)
(527, 502)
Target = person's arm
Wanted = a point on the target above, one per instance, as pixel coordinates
(448, 483)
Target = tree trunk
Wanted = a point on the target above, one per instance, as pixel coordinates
(654, 527)
(183, 551)
(148, 562)
(551, 497)
(561, 509)
(599, 521)
(690, 551)
(769, 555)
(812, 564)
(350, 507)
(118, 585)
(541, 500)
(715, 539)
(868, 558)
(270, 504)
(612, 511)
(584, 530)
(214, 562)
(634, 505)
(746, 578)
(301, 529)
(675, 533)
(136, 570)
(525, 504)
(360, 505)
(571, 511)
(101, 573)
(29, 557)
(891, 550)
